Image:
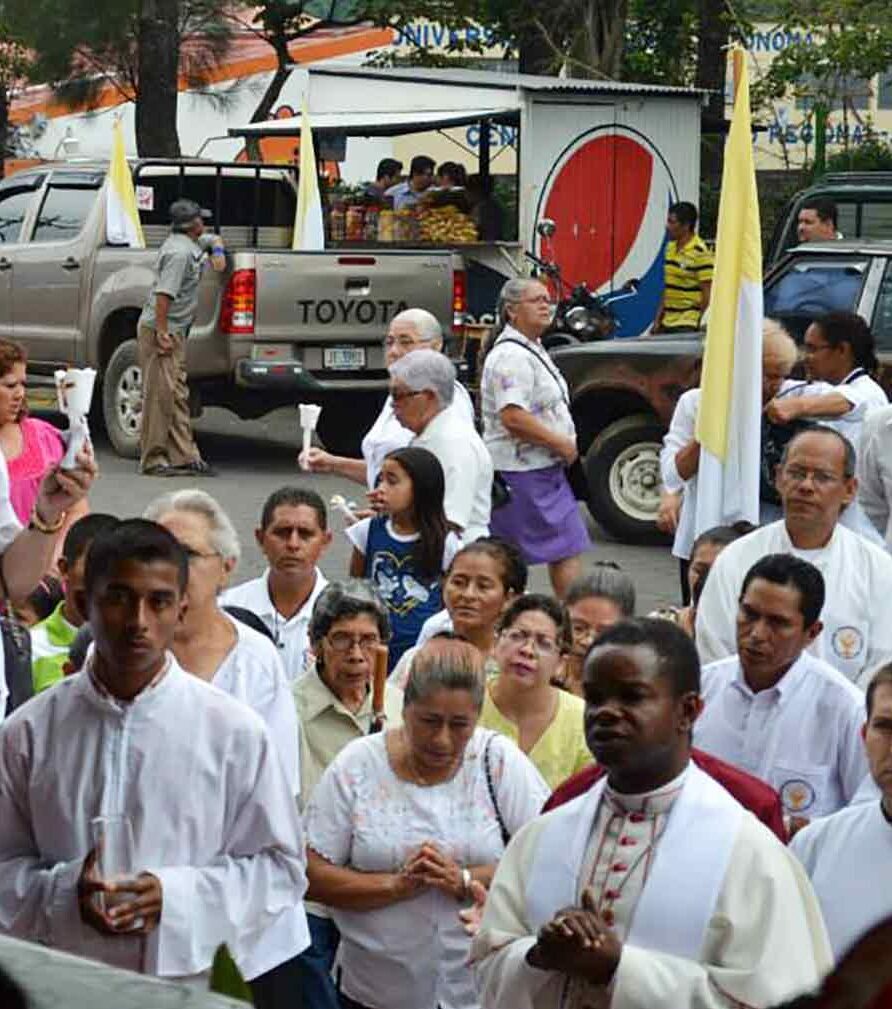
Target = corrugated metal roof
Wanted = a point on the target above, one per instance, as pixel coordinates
(508, 81)
(381, 123)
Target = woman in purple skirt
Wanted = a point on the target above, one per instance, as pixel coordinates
(529, 431)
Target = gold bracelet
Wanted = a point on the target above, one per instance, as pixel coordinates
(44, 527)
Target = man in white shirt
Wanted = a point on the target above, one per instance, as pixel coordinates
(777, 712)
(293, 535)
(409, 330)
(422, 387)
(655, 888)
(875, 471)
(816, 480)
(218, 848)
(848, 856)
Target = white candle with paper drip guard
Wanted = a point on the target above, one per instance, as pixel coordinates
(74, 391)
(309, 418)
(345, 507)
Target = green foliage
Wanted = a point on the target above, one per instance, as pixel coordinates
(226, 979)
(81, 46)
(870, 156)
(851, 41)
(661, 42)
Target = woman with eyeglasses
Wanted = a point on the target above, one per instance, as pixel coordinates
(209, 642)
(411, 329)
(334, 708)
(521, 701)
(404, 828)
(529, 431)
(839, 349)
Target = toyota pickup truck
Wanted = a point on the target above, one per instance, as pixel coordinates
(276, 327)
(623, 392)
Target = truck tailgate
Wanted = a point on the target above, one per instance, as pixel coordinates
(330, 310)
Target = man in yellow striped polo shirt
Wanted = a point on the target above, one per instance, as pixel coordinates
(688, 273)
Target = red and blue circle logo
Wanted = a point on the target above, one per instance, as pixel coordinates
(609, 191)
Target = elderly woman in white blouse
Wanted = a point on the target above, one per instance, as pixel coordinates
(411, 329)
(212, 645)
(401, 826)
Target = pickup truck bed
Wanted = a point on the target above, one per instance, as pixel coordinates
(277, 327)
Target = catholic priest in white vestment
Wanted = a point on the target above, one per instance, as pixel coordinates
(848, 856)
(655, 889)
(218, 849)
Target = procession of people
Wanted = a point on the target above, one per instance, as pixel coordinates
(415, 784)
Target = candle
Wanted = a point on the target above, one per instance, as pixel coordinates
(309, 418)
(379, 679)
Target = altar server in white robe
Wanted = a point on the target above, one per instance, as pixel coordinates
(218, 845)
(816, 479)
(655, 888)
(848, 856)
(776, 711)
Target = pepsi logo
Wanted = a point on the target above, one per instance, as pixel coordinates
(609, 191)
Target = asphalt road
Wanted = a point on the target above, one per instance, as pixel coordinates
(253, 458)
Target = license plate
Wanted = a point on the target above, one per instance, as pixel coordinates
(344, 358)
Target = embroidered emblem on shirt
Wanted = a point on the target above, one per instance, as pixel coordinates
(797, 795)
(847, 643)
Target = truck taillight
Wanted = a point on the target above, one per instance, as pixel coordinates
(459, 300)
(239, 302)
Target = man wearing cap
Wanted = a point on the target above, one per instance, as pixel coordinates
(167, 446)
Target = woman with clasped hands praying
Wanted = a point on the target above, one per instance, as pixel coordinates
(403, 825)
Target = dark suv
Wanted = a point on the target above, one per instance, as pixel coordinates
(623, 392)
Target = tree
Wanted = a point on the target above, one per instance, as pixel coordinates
(836, 49)
(138, 47)
(281, 22)
(14, 65)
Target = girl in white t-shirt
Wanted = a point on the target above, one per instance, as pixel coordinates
(404, 551)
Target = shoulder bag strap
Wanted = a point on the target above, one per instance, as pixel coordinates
(506, 836)
(541, 361)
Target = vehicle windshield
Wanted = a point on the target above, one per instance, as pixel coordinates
(816, 288)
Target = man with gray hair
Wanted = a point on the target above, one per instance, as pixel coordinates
(422, 387)
(816, 480)
(167, 446)
(409, 330)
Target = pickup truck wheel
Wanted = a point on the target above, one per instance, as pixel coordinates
(622, 467)
(122, 400)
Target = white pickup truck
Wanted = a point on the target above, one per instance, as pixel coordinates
(277, 327)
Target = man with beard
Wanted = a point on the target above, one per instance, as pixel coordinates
(655, 888)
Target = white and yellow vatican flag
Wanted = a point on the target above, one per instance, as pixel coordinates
(729, 419)
(122, 225)
(309, 231)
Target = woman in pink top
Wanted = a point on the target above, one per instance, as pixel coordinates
(30, 446)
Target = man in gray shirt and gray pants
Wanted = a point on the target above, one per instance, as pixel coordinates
(167, 446)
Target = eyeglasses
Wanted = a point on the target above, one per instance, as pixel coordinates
(520, 639)
(341, 641)
(406, 342)
(398, 397)
(809, 349)
(540, 299)
(798, 474)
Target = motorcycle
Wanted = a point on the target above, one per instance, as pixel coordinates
(581, 316)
